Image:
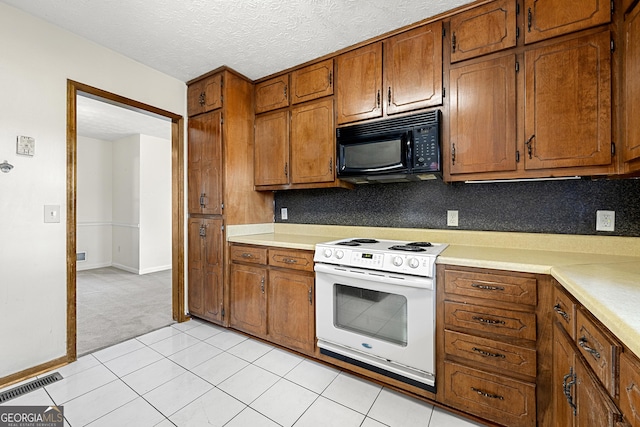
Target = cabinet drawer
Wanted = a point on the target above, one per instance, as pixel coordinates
(521, 290)
(599, 349)
(505, 401)
(250, 254)
(297, 260)
(499, 356)
(509, 323)
(564, 308)
(630, 388)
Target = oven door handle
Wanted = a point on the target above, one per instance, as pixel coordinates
(375, 276)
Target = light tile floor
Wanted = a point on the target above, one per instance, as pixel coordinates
(198, 374)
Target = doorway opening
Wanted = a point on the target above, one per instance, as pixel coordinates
(153, 261)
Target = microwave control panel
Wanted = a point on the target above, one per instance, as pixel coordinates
(426, 147)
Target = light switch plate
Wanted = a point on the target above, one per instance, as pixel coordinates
(51, 213)
(26, 146)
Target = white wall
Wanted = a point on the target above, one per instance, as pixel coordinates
(37, 59)
(155, 204)
(94, 202)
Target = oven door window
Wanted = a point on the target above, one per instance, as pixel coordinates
(371, 313)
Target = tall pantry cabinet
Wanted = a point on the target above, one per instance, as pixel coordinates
(220, 183)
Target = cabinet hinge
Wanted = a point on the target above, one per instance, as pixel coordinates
(613, 45)
(517, 67)
(222, 228)
(221, 205)
(517, 8)
(517, 156)
(613, 7)
(517, 32)
(222, 313)
(613, 148)
(444, 92)
(444, 32)
(221, 118)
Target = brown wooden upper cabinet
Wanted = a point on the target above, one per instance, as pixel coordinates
(412, 70)
(482, 116)
(204, 95)
(550, 18)
(631, 94)
(312, 82)
(568, 103)
(272, 94)
(484, 29)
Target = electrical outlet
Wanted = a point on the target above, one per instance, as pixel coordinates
(605, 220)
(452, 218)
(284, 215)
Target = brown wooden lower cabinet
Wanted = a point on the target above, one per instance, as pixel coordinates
(272, 295)
(630, 388)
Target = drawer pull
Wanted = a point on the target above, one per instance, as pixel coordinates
(488, 354)
(485, 394)
(558, 309)
(487, 287)
(289, 261)
(488, 321)
(247, 255)
(582, 342)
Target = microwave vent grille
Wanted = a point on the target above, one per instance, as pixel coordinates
(387, 126)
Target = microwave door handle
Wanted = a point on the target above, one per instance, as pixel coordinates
(409, 153)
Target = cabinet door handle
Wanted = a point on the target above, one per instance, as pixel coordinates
(488, 395)
(453, 42)
(488, 321)
(262, 284)
(310, 296)
(529, 144)
(389, 96)
(529, 19)
(558, 309)
(289, 260)
(378, 99)
(247, 255)
(487, 287)
(202, 99)
(331, 165)
(488, 354)
(203, 230)
(582, 342)
(285, 91)
(286, 170)
(453, 154)
(202, 200)
(566, 389)
(330, 78)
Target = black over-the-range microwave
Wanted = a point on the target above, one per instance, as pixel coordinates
(391, 150)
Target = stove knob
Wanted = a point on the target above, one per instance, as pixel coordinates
(397, 261)
(414, 263)
(327, 253)
(339, 254)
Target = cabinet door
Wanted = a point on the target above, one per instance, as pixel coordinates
(568, 104)
(204, 95)
(205, 164)
(483, 30)
(312, 142)
(291, 309)
(272, 149)
(630, 388)
(482, 116)
(272, 94)
(595, 406)
(632, 84)
(247, 296)
(205, 268)
(413, 69)
(550, 18)
(563, 378)
(359, 81)
(312, 82)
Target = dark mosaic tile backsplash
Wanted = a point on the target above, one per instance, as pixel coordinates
(562, 207)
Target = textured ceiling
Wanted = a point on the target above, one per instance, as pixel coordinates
(100, 120)
(187, 38)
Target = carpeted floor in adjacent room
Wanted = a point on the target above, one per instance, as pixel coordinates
(114, 305)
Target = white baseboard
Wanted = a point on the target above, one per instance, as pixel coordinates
(155, 269)
(82, 265)
(125, 268)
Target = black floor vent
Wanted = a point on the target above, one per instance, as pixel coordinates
(29, 387)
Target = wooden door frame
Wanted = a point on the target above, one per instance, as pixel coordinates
(177, 200)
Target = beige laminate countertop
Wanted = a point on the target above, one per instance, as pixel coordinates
(607, 285)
